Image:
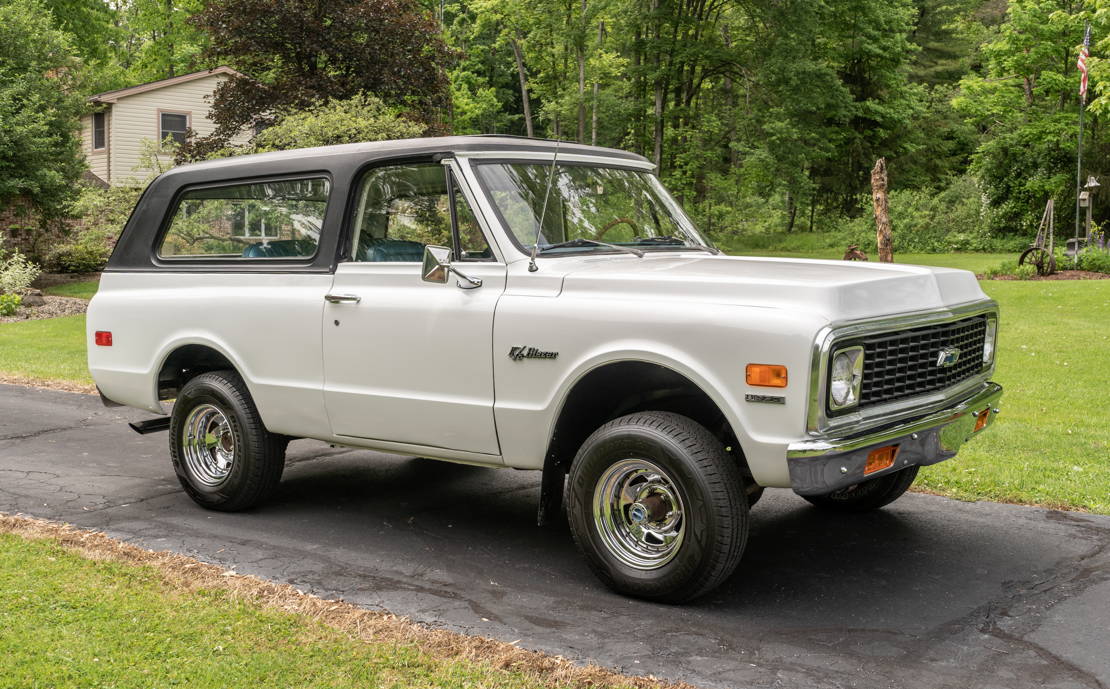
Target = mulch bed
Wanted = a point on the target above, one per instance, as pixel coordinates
(53, 308)
(1058, 275)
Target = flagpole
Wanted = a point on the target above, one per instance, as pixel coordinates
(1079, 178)
(1079, 149)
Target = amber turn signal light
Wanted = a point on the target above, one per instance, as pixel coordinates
(766, 375)
(981, 419)
(880, 459)
(103, 338)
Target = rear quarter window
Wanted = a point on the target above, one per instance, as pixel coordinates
(255, 220)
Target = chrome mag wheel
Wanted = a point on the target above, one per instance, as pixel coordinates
(638, 513)
(208, 445)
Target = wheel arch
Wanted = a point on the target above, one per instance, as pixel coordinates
(614, 388)
(183, 360)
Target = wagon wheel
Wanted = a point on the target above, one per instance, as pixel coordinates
(1039, 257)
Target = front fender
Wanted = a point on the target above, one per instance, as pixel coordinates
(709, 344)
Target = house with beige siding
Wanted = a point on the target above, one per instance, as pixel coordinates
(121, 122)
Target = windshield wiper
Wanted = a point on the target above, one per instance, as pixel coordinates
(592, 242)
(670, 240)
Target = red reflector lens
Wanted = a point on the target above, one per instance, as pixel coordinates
(103, 338)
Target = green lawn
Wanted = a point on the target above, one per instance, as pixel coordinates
(50, 349)
(1051, 443)
(68, 621)
(82, 290)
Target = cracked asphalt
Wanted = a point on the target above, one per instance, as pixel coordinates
(929, 592)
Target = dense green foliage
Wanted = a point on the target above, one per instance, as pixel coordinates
(768, 115)
(9, 303)
(39, 152)
(296, 53)
(764, 116)
(361, 118)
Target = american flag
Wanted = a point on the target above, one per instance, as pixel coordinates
(1081, 63)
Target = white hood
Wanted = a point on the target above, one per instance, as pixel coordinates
(837, 290)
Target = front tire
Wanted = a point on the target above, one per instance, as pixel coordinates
(657, 507)
(224, 457)
(867, 496)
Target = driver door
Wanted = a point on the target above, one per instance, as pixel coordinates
(408, 361)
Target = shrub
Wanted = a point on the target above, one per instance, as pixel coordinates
(16, 272)
(1094, 260)
(104, 212)
(79, 257)
(1025, 272)
(361, 118)
(9, 303)
(1007, 268)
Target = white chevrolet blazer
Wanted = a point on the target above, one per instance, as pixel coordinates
(528, 304)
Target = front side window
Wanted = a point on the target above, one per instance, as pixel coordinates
(99, 131)
(403, 208)
(585, 204)
(279, 219)
(173, 125)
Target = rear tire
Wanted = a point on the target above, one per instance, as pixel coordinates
(867, 496)
(224, 457)
(657, 507)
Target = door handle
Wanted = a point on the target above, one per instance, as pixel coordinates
(342, 298)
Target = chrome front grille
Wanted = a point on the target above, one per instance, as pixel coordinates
(904, 363)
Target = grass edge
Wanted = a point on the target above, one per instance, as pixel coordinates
(182, 574)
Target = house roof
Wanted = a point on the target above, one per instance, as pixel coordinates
(113, 96)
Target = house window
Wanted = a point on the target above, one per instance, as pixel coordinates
(99, 133)
(173, 125)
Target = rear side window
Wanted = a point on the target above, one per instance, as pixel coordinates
(259, 220)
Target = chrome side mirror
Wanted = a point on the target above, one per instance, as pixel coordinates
(437, 264)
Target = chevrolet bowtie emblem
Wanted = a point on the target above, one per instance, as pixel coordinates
(948, 356)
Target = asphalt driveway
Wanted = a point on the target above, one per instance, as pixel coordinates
(927, 593)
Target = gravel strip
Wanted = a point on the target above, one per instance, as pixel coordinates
(53, 308)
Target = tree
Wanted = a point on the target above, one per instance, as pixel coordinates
(40, 155)
(357, 119)
(297, 52)
(1025, 105)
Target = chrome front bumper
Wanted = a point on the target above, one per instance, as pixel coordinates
(823, 465)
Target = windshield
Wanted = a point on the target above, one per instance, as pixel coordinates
(587, 205)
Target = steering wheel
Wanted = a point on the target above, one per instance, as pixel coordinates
(610, 224)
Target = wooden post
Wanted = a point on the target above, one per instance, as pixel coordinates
(882, 211)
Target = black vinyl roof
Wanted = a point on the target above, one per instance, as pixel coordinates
(325, 157)
(135, 252)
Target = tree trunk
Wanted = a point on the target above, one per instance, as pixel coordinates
(882, 211)
(657, 148)
(580, 49)
(597, 86)
(523, 87)
(170, 74)
(581, 96)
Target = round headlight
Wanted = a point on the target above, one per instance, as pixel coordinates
(845, 378)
